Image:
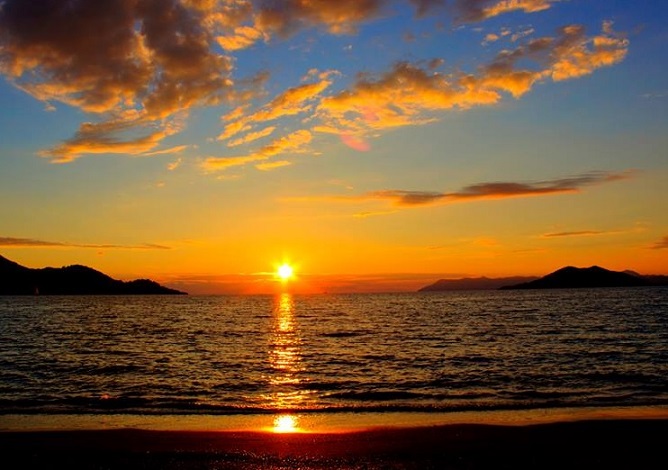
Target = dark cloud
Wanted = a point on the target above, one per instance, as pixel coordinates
(580, 233)
(424, 6)
(480, 191)
(661, 244)
(139, 61)
(29, 242)
(339, 17)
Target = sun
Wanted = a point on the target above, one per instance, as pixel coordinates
(285, 272)
(285, 424)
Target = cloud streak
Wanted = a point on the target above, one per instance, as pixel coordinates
(292, 143)
(661, 244)
(33, 243)
(480, 191)
(578, 233)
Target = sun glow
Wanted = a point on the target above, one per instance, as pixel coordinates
(285, 424)
(285, 272)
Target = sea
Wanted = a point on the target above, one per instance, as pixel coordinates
(426, 353)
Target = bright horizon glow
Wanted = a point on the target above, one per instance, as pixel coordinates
(284, 424)
(285, 272)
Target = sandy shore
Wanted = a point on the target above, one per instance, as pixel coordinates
(608, 443)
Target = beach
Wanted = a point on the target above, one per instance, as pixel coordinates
(586, 444)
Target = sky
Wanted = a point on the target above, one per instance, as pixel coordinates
(374, 145)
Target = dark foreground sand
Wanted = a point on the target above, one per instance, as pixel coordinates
(605, 444)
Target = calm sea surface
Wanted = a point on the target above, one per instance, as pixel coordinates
(453, 351)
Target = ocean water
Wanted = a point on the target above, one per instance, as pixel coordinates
(428, 352)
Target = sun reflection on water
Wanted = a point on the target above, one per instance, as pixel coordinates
(285, 357)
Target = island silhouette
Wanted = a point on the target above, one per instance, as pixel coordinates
(71, 280)
(568, 277)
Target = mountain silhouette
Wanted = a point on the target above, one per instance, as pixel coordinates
(474, 283)
(71, 280)
(594, 276)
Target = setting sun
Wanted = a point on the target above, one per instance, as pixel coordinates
(285, 424)
(285, 272)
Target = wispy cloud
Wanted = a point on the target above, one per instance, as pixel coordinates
(480, 191)
(578, 233)
(289, 103)
(661, 244)
(292, 143)
(479, 10)
(268, 166)
(33, 243)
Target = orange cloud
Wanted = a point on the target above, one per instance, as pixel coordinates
(272, 165)
(575, 55)
(409, 94)
(293, 101)
(112, 137)
(292, 143)
(243, 37)
(168, 151)
(251, 137)
(479, 10)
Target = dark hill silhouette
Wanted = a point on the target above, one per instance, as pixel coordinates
(70, 280)
(474, 283)
(594, 276)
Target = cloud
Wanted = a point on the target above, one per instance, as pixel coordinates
(272, 165)
(291, 102)
(167, 151)
(424, 6)
(292, 143)
(337, 17)
(32, 243)
(478, 10)
(344, 16)
(175, 164)
(481, 191)
(243, 37)
(366, 214)
(117, 136)
(575, 55)
(661, 244)
(114, 58)
(580, 233)
(139, 67)
(253, 136)
(410, 94)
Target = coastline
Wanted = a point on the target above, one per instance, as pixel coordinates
(632, 438)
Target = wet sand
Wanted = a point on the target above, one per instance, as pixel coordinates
(605, 443)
